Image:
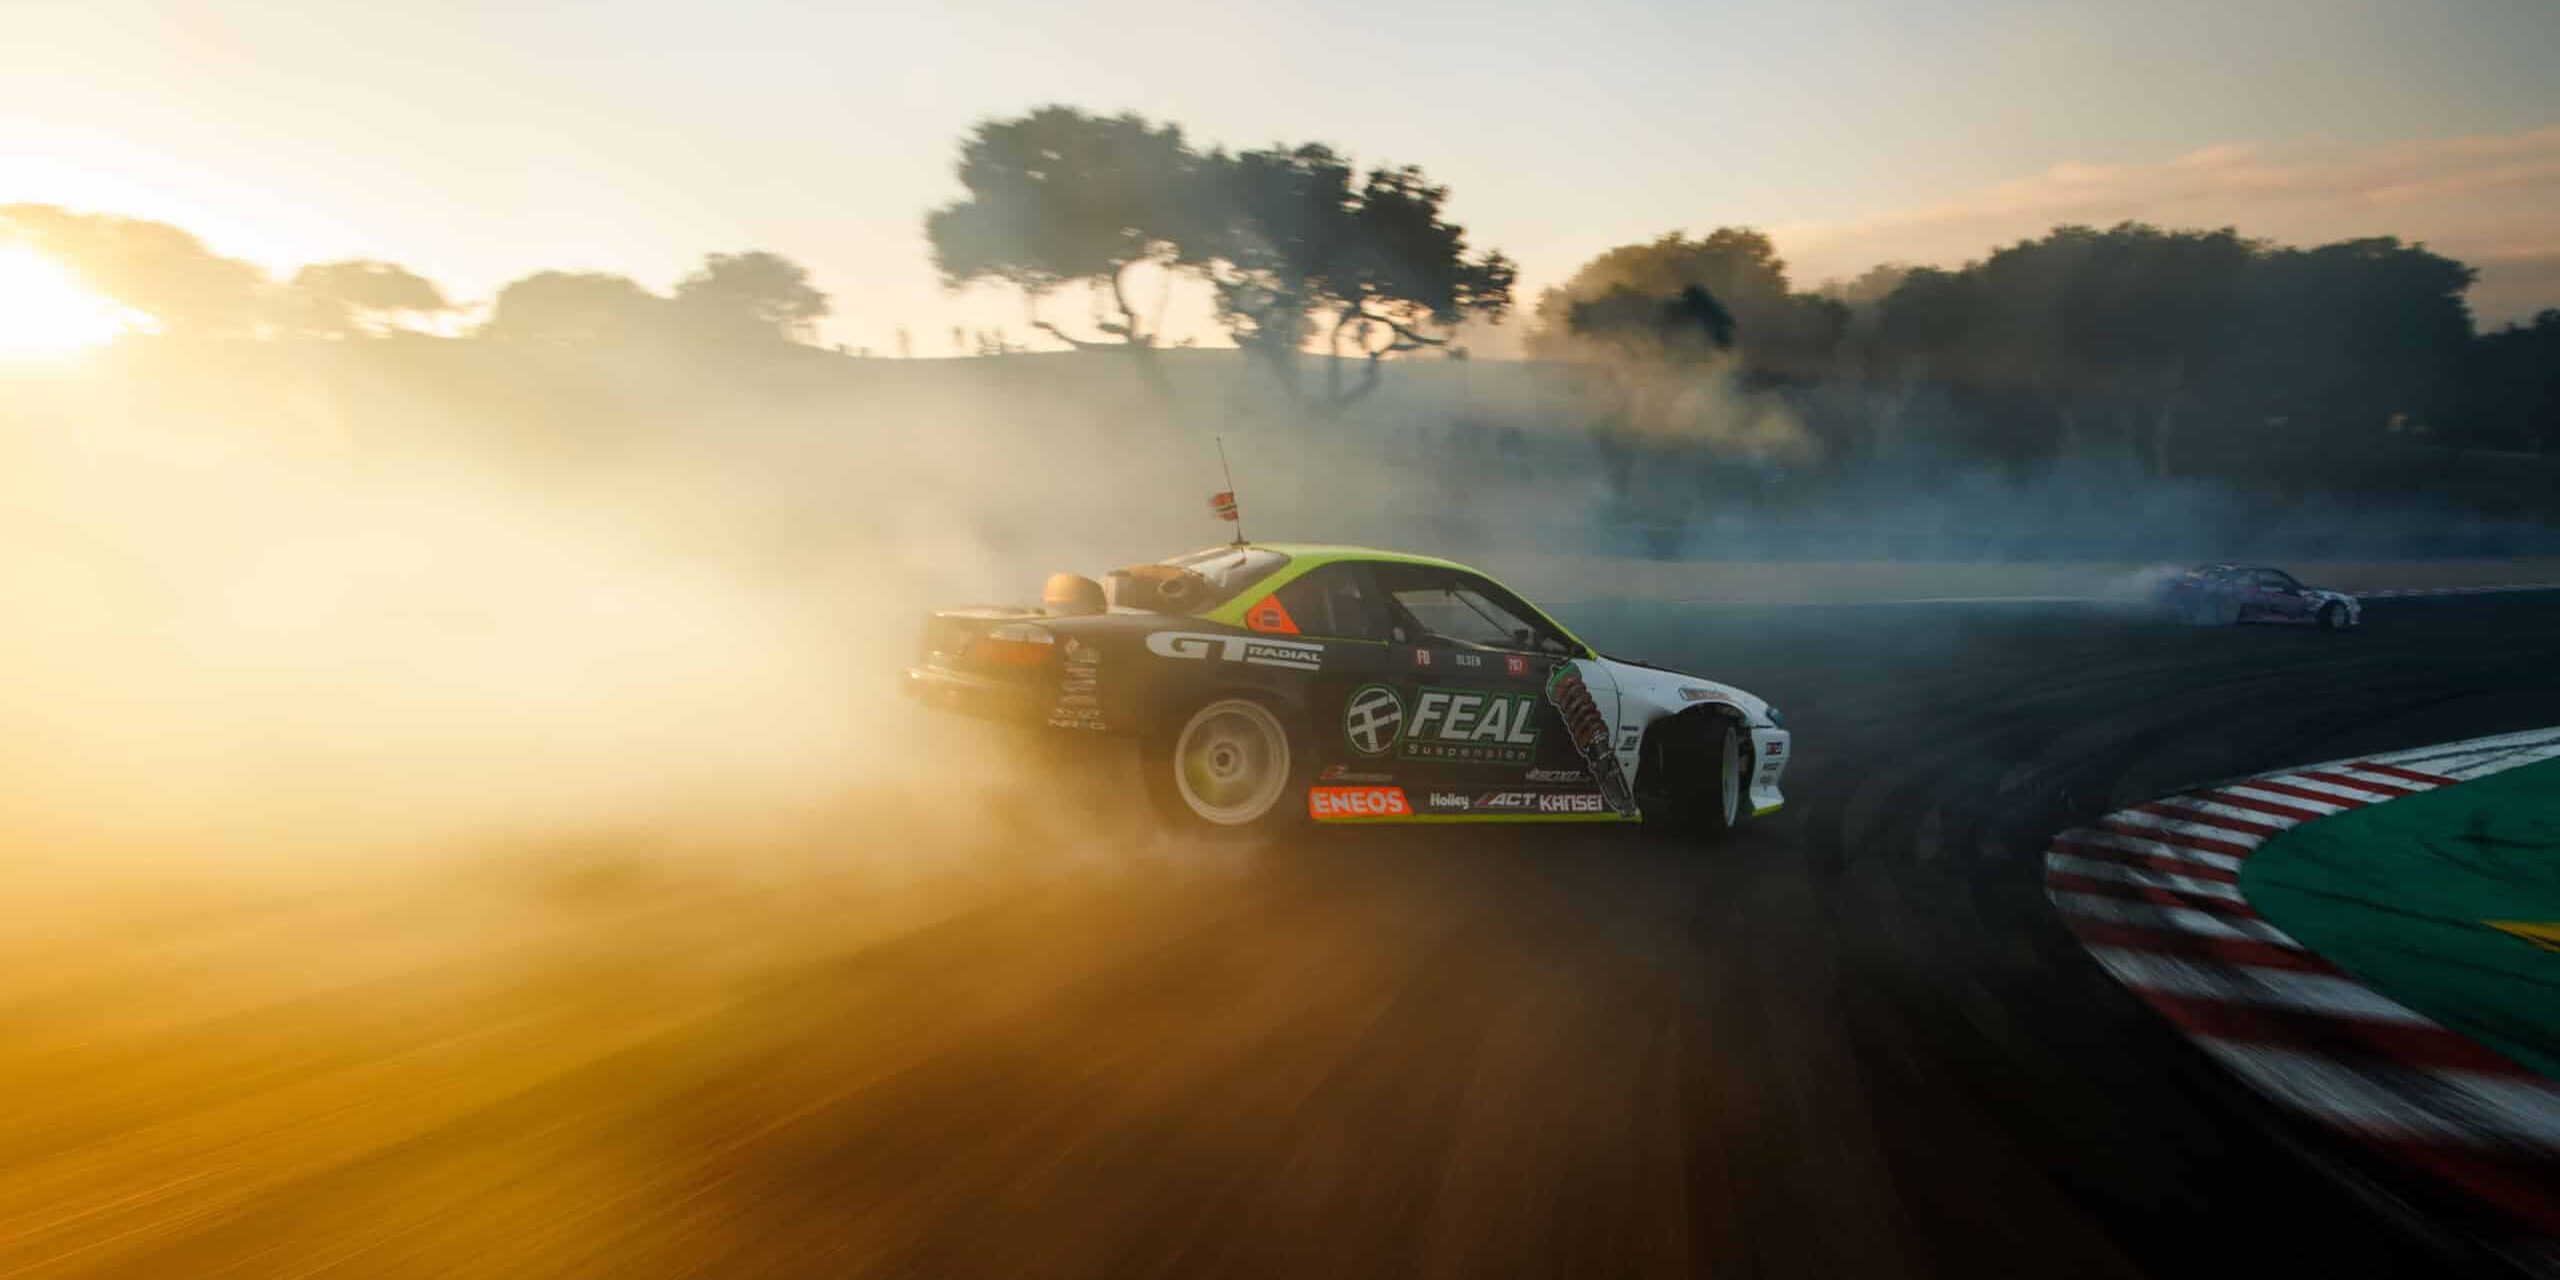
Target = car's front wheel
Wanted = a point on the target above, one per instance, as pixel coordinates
(2333, 617)
(1702, 771)
(1229, 765)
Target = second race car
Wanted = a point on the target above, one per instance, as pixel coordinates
(1268, 683)
(2225, 594)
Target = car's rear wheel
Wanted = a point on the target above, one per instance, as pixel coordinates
(1229, 765)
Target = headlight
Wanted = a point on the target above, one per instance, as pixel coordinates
(1776, 719)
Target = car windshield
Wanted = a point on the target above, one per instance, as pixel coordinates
(1189, 583)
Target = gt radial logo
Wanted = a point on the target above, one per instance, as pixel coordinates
(1296, 655)
(1373, 720)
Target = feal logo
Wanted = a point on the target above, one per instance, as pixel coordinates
(1373, 720)
(1472, 726)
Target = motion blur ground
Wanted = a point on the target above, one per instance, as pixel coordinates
(989, 1028)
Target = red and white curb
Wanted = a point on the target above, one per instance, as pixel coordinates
(2153, 894)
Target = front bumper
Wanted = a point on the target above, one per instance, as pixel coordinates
(1772, 749)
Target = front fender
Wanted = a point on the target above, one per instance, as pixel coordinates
(1650, 697)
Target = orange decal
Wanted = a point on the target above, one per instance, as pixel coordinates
(1268, 615)
(1357, 802)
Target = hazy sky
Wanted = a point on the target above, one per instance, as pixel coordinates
(475, 141)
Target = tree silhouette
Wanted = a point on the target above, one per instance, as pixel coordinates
(1059, 197)
(1774, 328)
(752, 295)
(2514, 387)
(563, 307)
(1689, 325)
(1293, 245)
(361, 297)
(152, 267)
(2139, 327)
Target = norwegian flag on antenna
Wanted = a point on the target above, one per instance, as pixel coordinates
(1224, 503)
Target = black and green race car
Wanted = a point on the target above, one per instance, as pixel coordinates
(1269, 683)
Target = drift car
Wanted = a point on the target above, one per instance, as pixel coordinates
(1269, 683)
(2225, 594)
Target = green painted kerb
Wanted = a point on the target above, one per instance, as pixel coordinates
(2400, 895)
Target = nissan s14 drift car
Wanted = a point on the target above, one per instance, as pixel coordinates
(2226, 594)
(1268, 683)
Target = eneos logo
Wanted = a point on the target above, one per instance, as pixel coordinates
(1373, 720)
(1357, 802)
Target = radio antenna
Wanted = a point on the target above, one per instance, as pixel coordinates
(1234, 511)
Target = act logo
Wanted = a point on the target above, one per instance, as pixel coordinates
(1373, 720)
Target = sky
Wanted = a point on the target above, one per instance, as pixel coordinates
(477, 141)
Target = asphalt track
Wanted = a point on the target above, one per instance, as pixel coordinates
(1855, 1043)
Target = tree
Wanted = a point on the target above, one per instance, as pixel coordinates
(1688, 326)
(561, 307)
(2143, 325)
(152, 267)
(1293, 246)
(361, 297)
(1059, 197)
(2130, 325)
(1868, 289)
(753, 295)
(2348, 335)
(1775, 329)
(1657, 347)
(2514, 387)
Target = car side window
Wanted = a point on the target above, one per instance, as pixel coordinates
(1463, 609)
(1335, 602)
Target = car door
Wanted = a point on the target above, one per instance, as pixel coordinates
(1354, 715)
(1478, 731)
(2272, 595)
(2285, 597)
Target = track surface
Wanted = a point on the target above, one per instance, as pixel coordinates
(1855, 1043)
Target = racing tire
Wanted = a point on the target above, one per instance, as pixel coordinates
(2333, 617)
(1709, 762)
(2226, 613)
(1231, 765)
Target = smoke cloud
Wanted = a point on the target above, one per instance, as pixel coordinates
(298, 605)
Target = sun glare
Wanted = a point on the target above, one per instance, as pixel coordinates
(44, 312)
